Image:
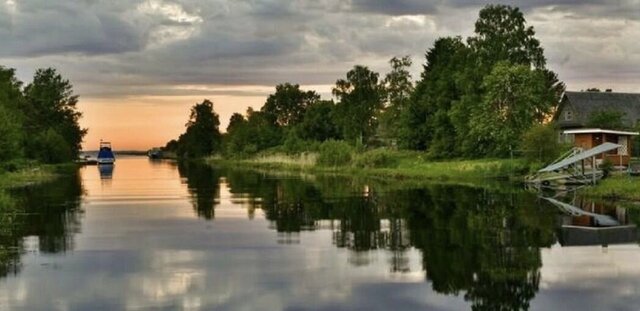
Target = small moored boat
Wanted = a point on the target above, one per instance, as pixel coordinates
(105, 155)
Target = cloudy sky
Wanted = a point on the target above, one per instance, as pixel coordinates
(139, 65)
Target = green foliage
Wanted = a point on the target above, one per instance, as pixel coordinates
(501, 34)
(376, 158)
(399, 87)
(293, 144)
(516, 98)
(202, 136)
(463, 107)
(10, 135)
(251, 135)
(607, 167)
(318, 122)
(51, 104)
(428, 122)
(288, 104)
(540, 144)
(335, 153)
(360, 100)
(50, 147)
(607, 119)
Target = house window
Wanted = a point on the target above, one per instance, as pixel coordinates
(568, 115)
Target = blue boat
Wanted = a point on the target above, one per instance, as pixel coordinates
(106, 156)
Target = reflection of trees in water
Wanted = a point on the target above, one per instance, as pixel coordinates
(49, 212)
(483, 243)
(486, 244)
(204, 187)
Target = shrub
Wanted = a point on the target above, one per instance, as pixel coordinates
(335, 153)
(540, 144)
(293, 144)
(606, 167)
(377, 158)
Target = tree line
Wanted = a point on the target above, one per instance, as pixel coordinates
(38, 121)
(476, 97)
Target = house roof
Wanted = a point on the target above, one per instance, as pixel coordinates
(586, 103)
(594, 130)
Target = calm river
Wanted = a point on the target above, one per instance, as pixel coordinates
(153, 235)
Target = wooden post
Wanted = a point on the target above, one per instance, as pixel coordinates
(593, 168)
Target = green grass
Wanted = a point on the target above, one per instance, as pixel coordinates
(392, 164)
(618, 187)
(28, 176)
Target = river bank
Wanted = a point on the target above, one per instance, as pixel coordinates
(618, 187)
(391, 164)
(26, 176)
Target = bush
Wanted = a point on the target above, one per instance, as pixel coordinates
(606, 167)
(377, 158)
(540, 144)
(335, 153)
(293, 144)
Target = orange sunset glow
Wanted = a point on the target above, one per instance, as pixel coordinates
(147, 121)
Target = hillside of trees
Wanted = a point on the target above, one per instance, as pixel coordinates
(476, 97)
(39, 121)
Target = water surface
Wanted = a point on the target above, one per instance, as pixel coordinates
(154, 235)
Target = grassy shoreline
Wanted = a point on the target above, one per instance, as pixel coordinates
(24, 177)
(617, 188)
(402, 166)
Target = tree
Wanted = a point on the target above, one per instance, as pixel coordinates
(11, 121)
(360, 100)
(51, 104)
(235, 121)
(318, 122)
(501, 34)
(607, 119)
(427, 122)
(288, 104)
(10, 135)
(10, 90)
(247, 136)
(52, 147)
(202, 136)
(399, 87)
(516, 98)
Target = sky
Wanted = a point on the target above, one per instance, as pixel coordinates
(139, 65)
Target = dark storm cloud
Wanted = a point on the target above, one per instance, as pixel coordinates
(263, 42)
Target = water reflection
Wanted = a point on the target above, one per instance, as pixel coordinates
(45, 219)
(484, 244)
(588, 222)
(203, 185)
(170, 236)
(106, 171)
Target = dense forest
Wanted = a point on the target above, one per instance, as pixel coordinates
(39, 121)
(476, 97)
